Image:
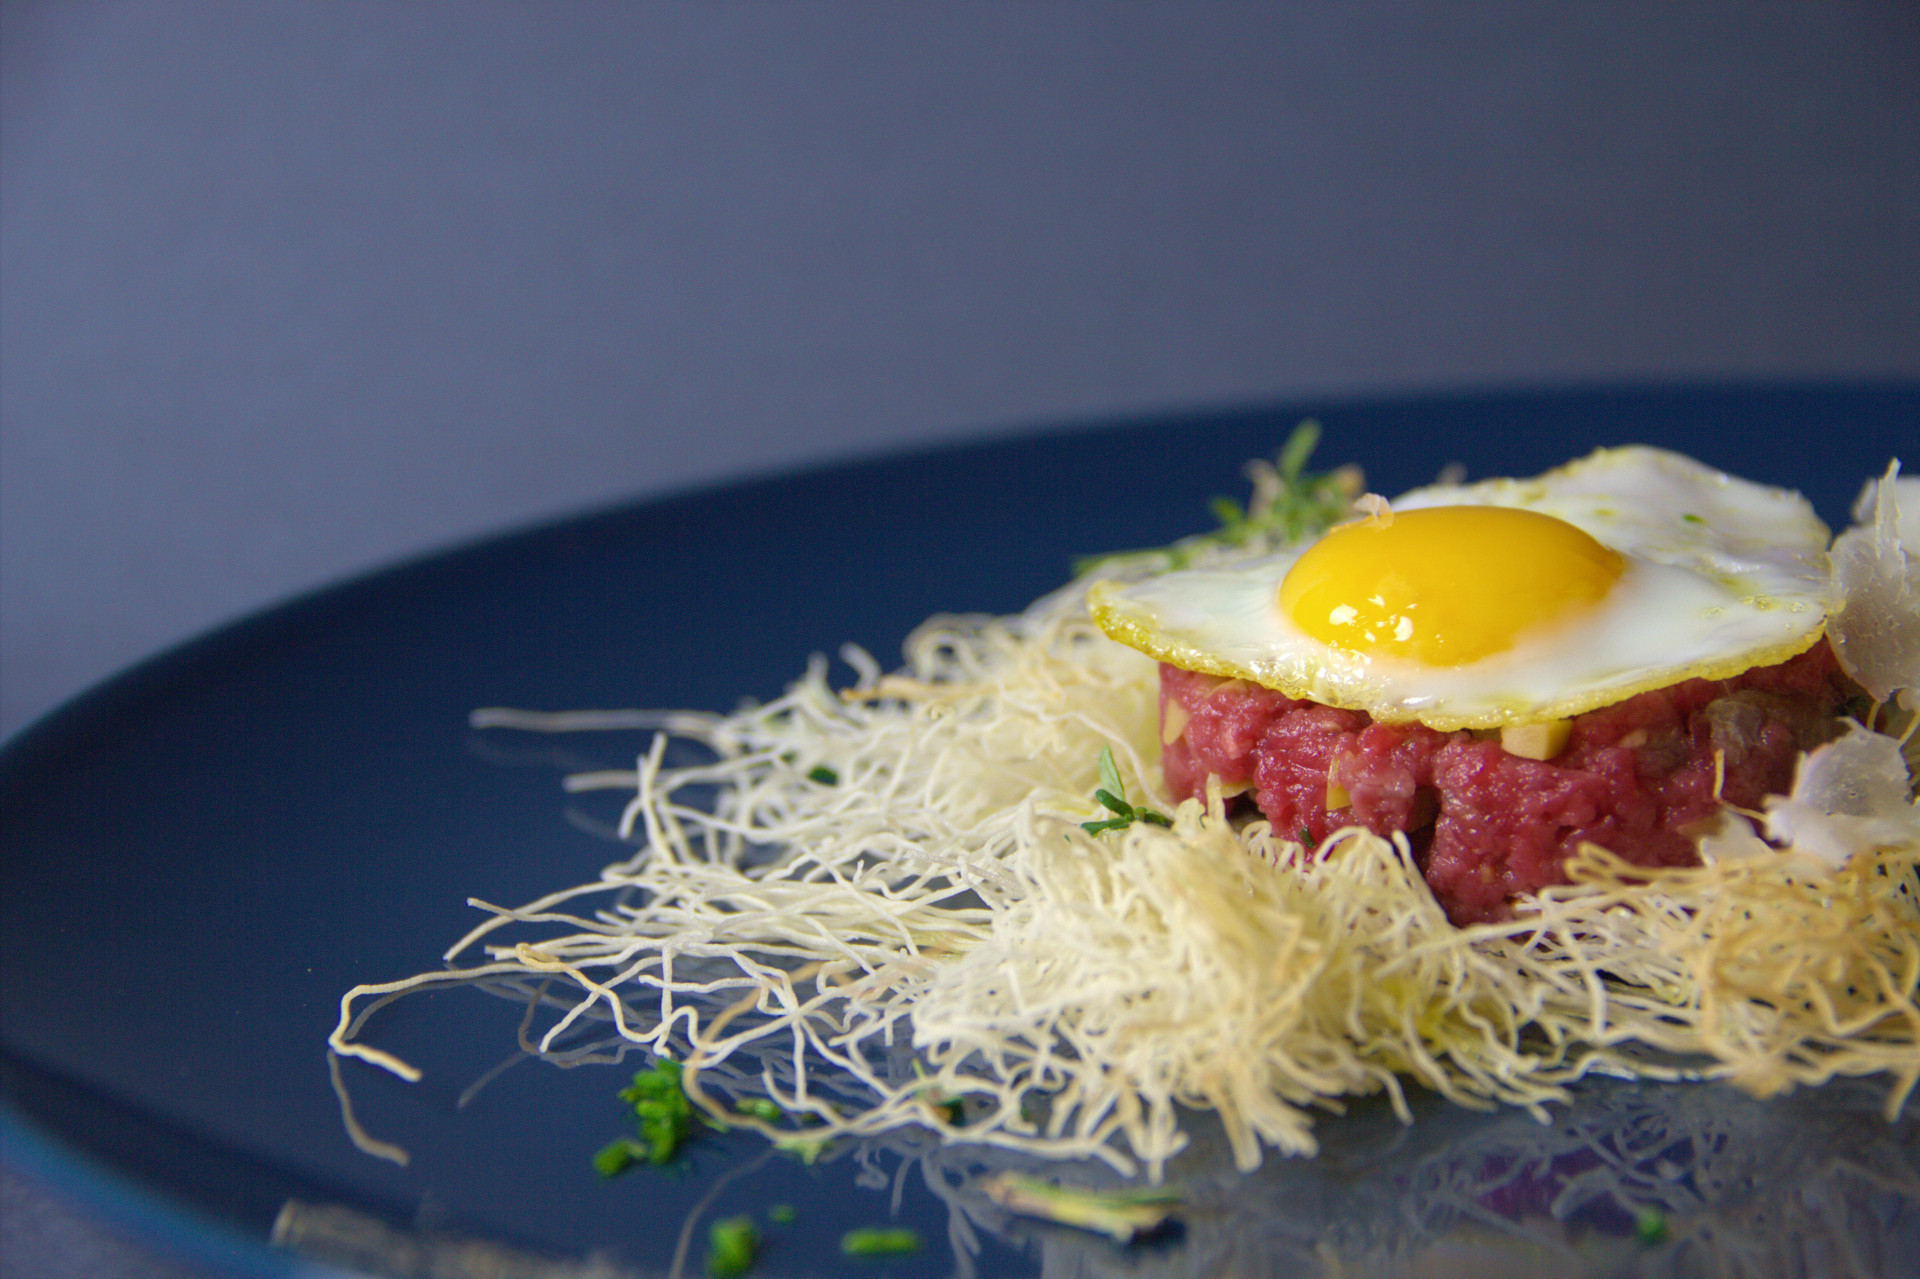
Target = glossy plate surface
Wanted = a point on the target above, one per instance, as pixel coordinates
(204, 853)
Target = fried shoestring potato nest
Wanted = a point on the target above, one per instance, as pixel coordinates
(1075, 992)
(878, 907)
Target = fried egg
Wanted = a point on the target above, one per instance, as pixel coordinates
(1507, 602)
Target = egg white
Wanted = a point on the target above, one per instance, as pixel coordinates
(1721, 575)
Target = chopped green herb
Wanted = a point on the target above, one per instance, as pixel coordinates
(783, 1214)
(880, 1241)
(1288, 503)
(618, 1155)
(665, 1115)
(731, 1247)
(1306, 837)
(824, 775)
(761, 1108)
(1112, 796)
(1694, 519)
(1650, 1226)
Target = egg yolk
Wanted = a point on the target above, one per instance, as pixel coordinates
(1445, 585)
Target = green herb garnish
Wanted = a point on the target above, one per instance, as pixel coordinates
(760, 1108)
(824, 775)
(880, 1241)
(665, 1115)
(731, 1247)
(618, 1155)
(1650, 1226)
(1289, 503)
(1113, 797)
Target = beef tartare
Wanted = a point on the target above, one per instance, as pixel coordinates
(1641, 778)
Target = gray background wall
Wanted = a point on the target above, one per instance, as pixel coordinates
(288, 290)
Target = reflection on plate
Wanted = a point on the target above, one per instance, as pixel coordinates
(1629, 1178)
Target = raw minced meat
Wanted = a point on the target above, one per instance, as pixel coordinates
(1637, 777)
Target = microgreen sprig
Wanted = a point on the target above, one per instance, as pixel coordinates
(1288, 504)
(1112, 795)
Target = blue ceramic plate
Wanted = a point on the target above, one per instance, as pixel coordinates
(204, 853)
